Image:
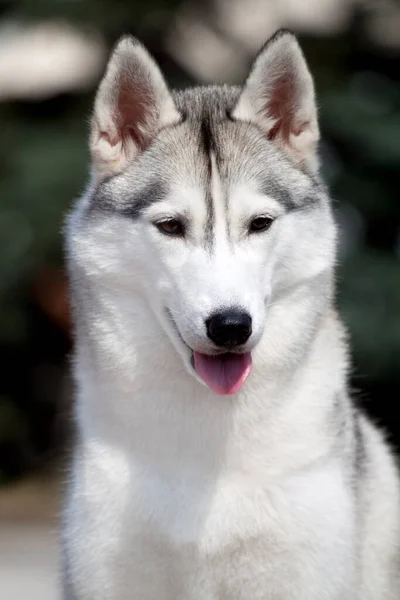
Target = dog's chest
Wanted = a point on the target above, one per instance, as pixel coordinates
(222, 537)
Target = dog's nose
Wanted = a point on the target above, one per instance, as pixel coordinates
(230, 328)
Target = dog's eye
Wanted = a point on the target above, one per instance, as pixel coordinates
(260, 224)
(171, 227)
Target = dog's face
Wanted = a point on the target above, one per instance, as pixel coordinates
(205, 202)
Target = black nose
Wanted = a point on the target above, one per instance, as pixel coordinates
(230, 328)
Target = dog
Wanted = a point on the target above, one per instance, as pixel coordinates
(219, 454)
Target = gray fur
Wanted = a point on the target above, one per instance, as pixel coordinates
(125, 202)
(207, 127)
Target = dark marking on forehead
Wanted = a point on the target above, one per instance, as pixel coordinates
(288, 198)
(208, 147)
(107, 198)
(279, 193)
(209, 222)
(206, 138)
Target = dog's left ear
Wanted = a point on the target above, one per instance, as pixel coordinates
(278, 96)
(132, 104)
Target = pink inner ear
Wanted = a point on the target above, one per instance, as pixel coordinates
(131, 111)
(281, 107)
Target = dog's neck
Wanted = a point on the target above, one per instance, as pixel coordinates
(136, 392)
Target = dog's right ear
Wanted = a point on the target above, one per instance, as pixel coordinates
(133, 102)
(279, 98)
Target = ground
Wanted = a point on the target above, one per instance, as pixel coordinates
(29, 541)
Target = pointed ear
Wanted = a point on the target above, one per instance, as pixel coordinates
(132, 103)
(278, 96)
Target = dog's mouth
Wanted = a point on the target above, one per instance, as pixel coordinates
(225, 373)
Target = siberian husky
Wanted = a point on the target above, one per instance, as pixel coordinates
(219, 454)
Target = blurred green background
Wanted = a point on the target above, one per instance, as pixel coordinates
(51, 57)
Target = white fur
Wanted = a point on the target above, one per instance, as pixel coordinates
(177, 494)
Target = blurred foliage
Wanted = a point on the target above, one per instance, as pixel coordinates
(43, 166)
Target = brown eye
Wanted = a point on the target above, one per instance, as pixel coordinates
(260, 224)
(171, 227)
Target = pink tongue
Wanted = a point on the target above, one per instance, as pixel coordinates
(224, 374)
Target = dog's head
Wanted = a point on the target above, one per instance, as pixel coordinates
(207, 202)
